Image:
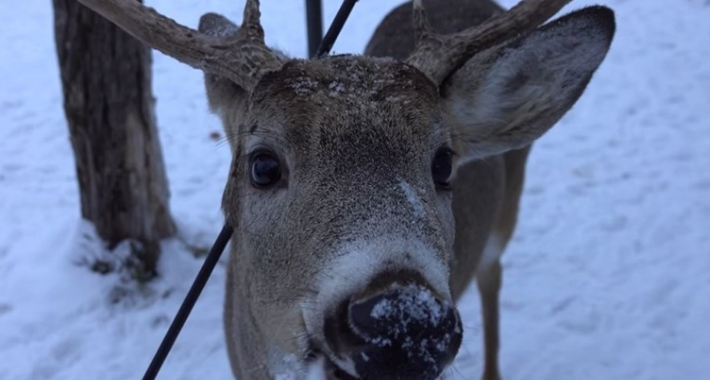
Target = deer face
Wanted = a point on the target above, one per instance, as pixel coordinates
(339, 193)
(340, 187)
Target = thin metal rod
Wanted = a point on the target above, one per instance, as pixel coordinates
(188, 303)
(335, 27)
(314, 21)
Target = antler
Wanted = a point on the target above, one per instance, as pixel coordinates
(243, 58)
(438, 55)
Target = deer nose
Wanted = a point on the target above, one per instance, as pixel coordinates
(402, 333)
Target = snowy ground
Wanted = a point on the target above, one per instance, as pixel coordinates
(608, 276)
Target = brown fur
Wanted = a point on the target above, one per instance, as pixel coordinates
(356, 136)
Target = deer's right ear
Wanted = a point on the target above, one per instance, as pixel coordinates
(221, 92)
(507, 96)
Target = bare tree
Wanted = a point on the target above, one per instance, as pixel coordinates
(109, 105)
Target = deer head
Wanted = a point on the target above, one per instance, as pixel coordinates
(340, 183)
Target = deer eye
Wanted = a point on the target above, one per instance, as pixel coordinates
(265, 169)
(441, 168)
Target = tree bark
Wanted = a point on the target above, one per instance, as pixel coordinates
(109, 106)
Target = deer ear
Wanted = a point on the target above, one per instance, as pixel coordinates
(221, 92)
(507, 96)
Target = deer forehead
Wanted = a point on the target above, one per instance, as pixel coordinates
(349, 109)
(348, 78)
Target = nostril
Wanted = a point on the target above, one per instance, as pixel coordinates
(365, 319)
(338, 333)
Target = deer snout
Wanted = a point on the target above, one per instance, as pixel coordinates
(402, 331)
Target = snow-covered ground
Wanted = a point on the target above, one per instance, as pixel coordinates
(608, 276)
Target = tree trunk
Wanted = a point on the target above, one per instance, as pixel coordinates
(108, 101)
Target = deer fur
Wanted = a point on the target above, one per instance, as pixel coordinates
(356, 134)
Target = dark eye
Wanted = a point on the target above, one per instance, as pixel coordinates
(265, 169)
(441, 168)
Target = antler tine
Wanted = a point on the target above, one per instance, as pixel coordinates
(422, 27)
(252, 22)
(242, 60)
(438, 56)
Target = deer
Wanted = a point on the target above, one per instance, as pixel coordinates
(367, 192)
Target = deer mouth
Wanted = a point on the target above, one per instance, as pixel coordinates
(330, 370)
(333, 372)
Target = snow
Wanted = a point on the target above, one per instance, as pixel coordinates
(607, 277)
(413, 198)
(413, 303)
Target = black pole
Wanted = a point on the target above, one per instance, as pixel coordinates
(335, 27)
(314, 21)
(188, 303)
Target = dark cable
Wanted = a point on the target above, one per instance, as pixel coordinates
(188, 303)
(314, 21)
(335, 28)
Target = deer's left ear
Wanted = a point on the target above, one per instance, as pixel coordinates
(507, 96)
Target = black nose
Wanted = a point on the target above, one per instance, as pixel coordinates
(406, 333)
